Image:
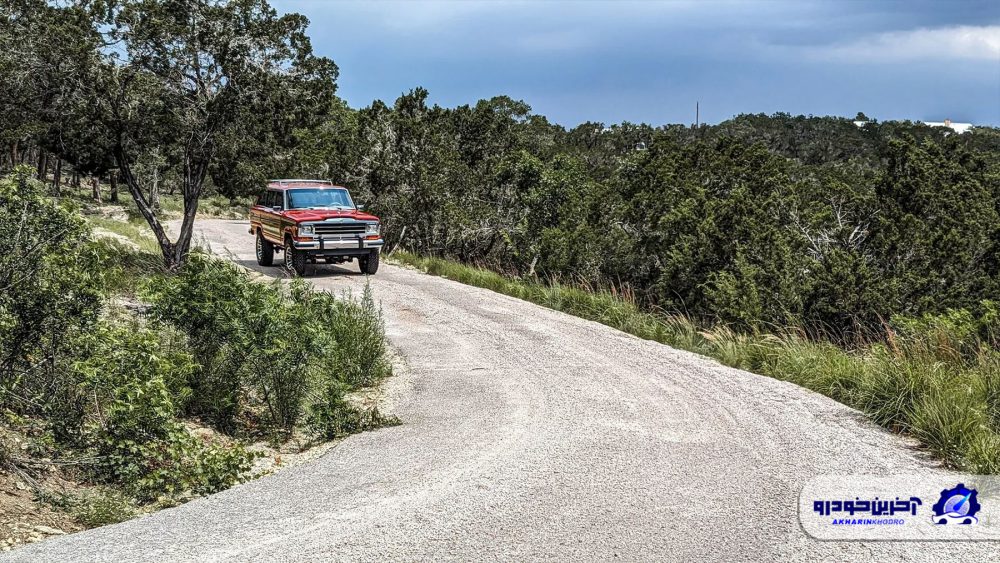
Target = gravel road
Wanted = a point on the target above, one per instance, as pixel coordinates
(530, 434)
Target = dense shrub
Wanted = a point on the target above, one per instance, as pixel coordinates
(227, 318)
(954, 335)
(47, 290)
(759, 221)
(114, 386)
(132, 381)
(268, 350)
(100, 508)
(331, 416)
(359, 357)
(54, 280)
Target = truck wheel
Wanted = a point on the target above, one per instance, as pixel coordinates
(369, 264)
(295, 260)
(265, 250)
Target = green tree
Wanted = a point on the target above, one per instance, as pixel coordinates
(47, 53)
(937, 226)
(193, 78)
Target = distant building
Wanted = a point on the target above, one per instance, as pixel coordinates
(956, 127)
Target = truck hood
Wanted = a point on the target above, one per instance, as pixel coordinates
(301, 215)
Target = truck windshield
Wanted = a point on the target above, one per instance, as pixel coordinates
(320, 198)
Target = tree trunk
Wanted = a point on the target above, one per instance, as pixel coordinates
(113, 178)
(57, 177)
(96, 187)
(135, 190)
(43, 165)
(399, 240)
(194, 179)
(154, 190)
(75, 180)
(174, 254)
(493, 241)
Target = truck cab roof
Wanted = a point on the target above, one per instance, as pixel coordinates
(296, 183)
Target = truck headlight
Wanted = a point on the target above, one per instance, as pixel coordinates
(372, 229)
(307, 230)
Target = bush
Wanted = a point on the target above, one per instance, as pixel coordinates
(332, 416)
(100, 508)
(358, 356)
(47, 291)
(250, 345)
(266, 349)
(107, 387)
(133, 381)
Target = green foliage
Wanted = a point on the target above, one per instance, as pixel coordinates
(48, 289)
(134, 381)
(266, 349)
(174, 95)
(42, 44)
(332, 416)
(243, 336)
(358, 359)
(101, 508)
(359, 352)
(759, 221)
(98, 506)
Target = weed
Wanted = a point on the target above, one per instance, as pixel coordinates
(102, 507)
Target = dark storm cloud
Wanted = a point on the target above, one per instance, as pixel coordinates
(648, 61)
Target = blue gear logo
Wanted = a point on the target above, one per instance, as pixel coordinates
(958, 505)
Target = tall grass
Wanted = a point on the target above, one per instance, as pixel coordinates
(936, 379)
(208, 206)
(171, 206)
(137, 234)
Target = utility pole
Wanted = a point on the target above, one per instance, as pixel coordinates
(697, 114)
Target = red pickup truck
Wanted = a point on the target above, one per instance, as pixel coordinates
(313, 219)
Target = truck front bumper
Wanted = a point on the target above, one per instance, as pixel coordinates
(338, 246)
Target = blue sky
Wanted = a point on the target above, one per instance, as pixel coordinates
(651, 61)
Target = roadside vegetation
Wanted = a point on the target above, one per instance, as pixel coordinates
(125, 387)
(934, 377)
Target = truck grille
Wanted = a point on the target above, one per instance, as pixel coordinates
(339, 228)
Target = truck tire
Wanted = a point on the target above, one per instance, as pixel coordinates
(369, 264)
(295, 260)
(265, 250)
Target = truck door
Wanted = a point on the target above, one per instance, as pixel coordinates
(271, 219)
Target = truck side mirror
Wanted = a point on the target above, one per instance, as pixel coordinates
(361, 207)
(276, 208)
